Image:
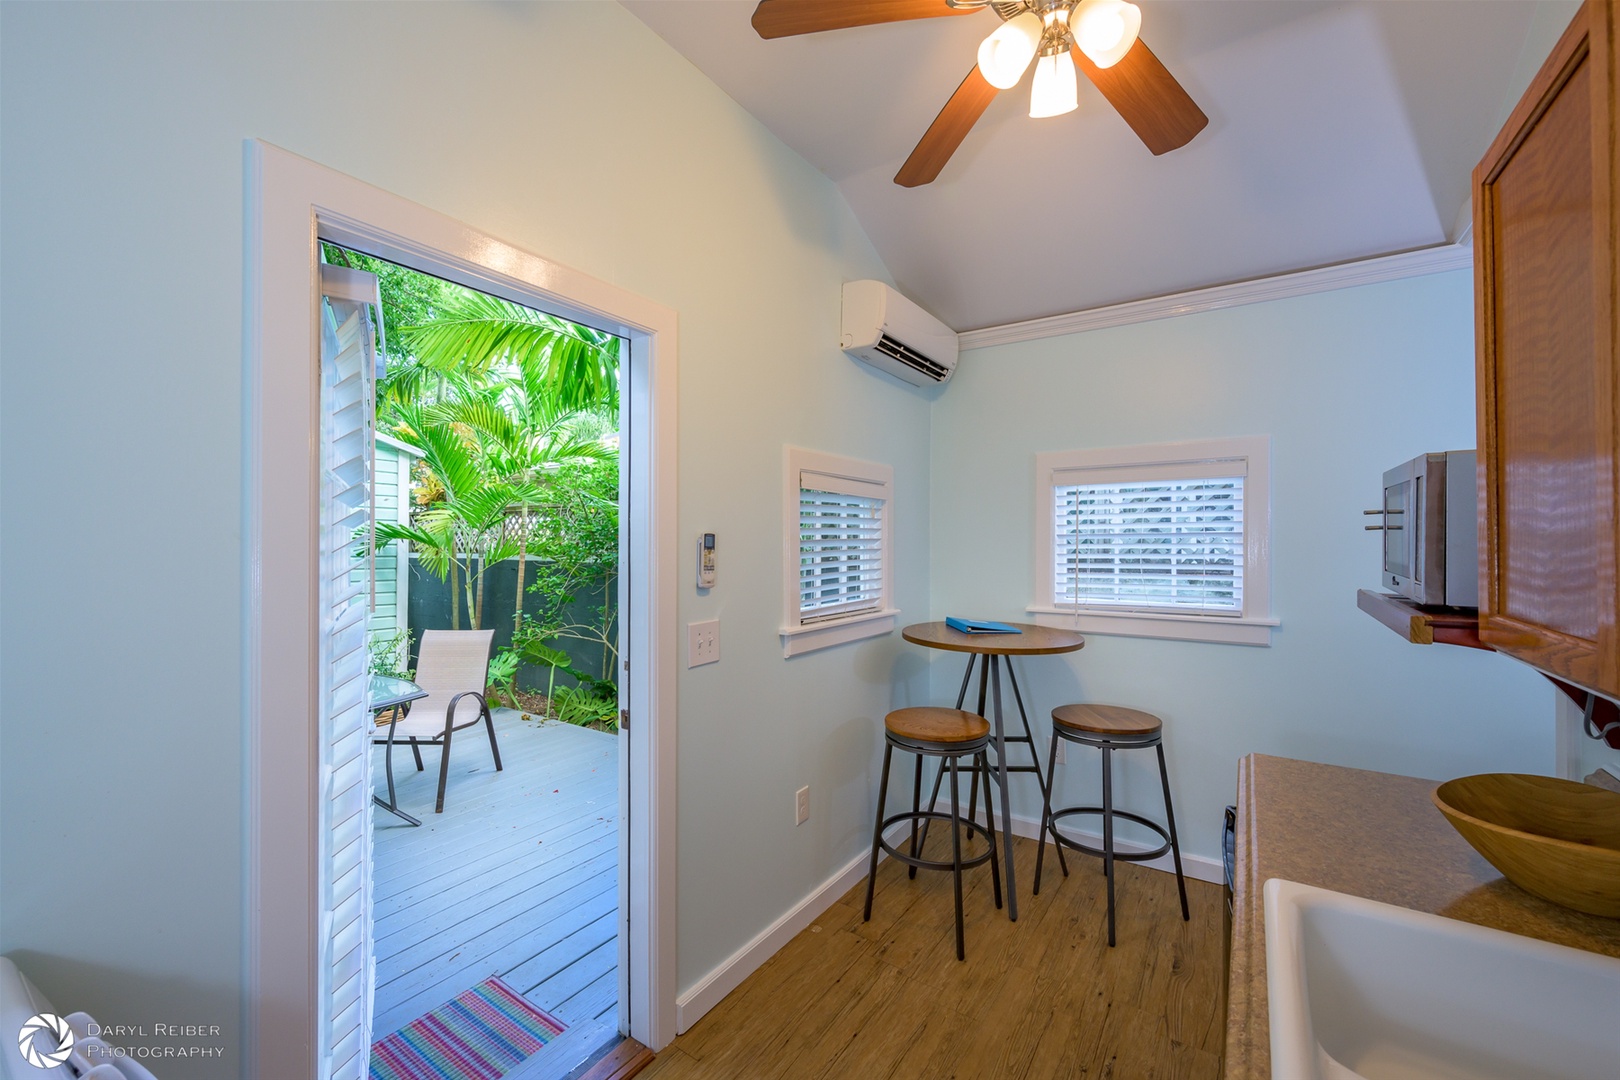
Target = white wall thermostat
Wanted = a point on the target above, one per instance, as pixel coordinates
(706, 560)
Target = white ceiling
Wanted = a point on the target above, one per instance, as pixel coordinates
(1338, 130)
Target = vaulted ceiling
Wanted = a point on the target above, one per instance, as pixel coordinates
(1338, 130)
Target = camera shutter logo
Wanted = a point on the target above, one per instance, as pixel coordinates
(45, 1040)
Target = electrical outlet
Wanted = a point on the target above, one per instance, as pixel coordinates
(1062, 755)
(801, 806)
(702, 643)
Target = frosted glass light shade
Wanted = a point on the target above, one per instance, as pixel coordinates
(1055, 92)
(1105, 30)
(1005, 54)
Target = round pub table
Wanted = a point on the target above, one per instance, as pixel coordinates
(986, 650)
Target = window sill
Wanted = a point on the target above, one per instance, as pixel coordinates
(1215, 629)
(803, 639)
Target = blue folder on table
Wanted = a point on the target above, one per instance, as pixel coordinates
(980, 626)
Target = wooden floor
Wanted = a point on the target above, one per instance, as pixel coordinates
(1043, 997)
(517, 878)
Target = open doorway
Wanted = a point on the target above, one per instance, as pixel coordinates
(300, 952)
(492, 568)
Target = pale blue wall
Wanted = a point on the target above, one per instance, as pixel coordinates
(1348, 384)
(568, 129)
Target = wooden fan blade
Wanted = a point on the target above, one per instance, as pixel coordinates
(785, 18)
(947, 131)
(1142, 90)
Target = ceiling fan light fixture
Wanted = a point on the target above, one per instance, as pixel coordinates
(1055, 91)
(1005, 54)
(1105, 30)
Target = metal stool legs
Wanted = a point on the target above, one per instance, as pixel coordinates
(1042, 781)
(1108, 853)
(1175, 848)
(950, 758)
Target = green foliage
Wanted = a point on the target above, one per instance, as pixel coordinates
(578, 550)
(466, 530)
(587, 706)
(388, 653)
(477, 334)
(515, 412)
(503, 674)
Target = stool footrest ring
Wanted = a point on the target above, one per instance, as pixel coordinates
(1123, 856)
(973, 829)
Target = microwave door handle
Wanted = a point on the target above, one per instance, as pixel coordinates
(1381, 528)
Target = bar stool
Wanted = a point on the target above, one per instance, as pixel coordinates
(949, 734)
(1110, 728)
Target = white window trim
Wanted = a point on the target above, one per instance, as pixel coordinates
(799, 638)
(1252, 627)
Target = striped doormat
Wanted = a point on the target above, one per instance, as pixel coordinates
(480, 1035)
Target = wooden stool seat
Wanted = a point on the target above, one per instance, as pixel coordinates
(1106, 719)
(932, 724)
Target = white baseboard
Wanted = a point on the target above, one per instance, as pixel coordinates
(713, 987)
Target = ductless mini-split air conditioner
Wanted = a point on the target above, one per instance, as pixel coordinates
(884, 329)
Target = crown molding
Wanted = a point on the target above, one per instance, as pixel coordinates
(1405, 264)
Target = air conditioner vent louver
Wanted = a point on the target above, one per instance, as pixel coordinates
(911, 358)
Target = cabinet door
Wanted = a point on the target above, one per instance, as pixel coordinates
(1544, 220)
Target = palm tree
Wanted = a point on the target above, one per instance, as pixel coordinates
(470, 520)
(526, 433)
(498, 396)
(474, 333)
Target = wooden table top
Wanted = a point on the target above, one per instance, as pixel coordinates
(1033, 641)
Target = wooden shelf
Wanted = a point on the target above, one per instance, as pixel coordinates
(1420, 625)
(1460, 626)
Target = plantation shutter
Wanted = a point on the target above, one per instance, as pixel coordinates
(840, 545)
(348, 392)
(1165, 537)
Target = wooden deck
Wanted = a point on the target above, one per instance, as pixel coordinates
(517, 878)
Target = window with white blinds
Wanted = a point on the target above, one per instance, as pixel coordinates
(1150, 545)
(1147, 540)
(837, 521)
(840, 554)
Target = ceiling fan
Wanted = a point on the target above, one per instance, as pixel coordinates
(1100, 36)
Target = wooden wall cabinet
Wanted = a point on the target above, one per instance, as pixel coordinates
(1546, 264)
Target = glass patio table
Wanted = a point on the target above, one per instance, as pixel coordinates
(386, 692)
(987, 650)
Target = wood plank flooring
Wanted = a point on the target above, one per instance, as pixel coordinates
(517, 878)
(1043, 997)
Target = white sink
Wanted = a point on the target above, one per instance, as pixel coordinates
(1369, 990)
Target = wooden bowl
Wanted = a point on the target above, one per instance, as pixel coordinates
(1556, 838)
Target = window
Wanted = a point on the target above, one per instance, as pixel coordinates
(1165, 541)
(838, 550)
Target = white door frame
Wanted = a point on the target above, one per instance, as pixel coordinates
(288, 198)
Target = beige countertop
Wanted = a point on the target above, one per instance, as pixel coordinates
(1369, 834)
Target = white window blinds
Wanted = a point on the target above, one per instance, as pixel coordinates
(348, 393)
(841, 524)
(1163, 537)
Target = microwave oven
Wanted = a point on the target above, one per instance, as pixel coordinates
(1431, 530)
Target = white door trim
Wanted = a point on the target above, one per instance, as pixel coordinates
(286, 197)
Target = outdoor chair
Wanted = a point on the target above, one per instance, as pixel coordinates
(453, 667)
